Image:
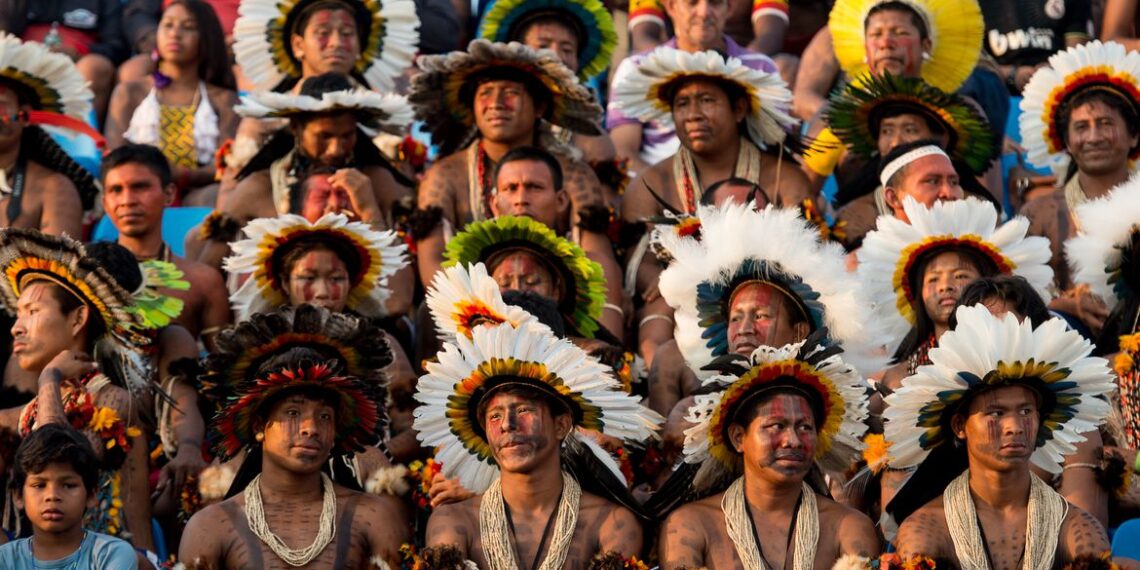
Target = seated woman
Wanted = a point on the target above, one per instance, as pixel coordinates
(185, 107)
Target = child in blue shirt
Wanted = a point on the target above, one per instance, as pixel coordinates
(55, 473)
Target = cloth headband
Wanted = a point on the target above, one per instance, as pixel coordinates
(897, 164)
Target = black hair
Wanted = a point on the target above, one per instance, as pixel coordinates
(307, 13)
(883, 112)
(709, 196)
(533, 154)
(749, 407)
(1110, 99)
(214, 65)
(315, 87)
(1012, 289)
(553, 404)
(897, 152)
(543, 309)
(55, 443)
(143, 154)
(284, 261)
(533, 86)
(733, 91)
(44, 150)
(555, 16)
(123, 267)
(896, 6)
(923, 328)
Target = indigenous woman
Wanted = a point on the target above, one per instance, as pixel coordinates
(186, 106)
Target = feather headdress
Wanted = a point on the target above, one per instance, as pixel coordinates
(955, 28)
(892, 253)
(48, 81)
(384, 111)
(836, 391)
(506, 20)
(388, 30)
(463, 297)
(472, 368)
(378, 256)
(647, 94)
(775, 246)
(1108, 229)
(1105, 66)
(986, 352)
(442, 94)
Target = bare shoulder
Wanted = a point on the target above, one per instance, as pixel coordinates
(1042, 209)
(698, 513)
(209, 528)
(438, 187)
(252, 197)
(638, 201)
(383, 519)
(925, 532)
(135, 91)
(199, 274)
(894, 375)
(454, 523)
(218, 94)
(1081, 535)
(854, 533)
(50, 183)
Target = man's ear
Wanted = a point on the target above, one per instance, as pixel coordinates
(667, 5)
(169, 191)
(297, 43)
(740, 109)
(892, 198)
(736, 436)
(77, 321)
(563, 425)
(801, 330)
(563, 199)
(958, 426)
(495, 203)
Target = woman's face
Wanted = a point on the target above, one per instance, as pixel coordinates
(320, 278)
(178, 35)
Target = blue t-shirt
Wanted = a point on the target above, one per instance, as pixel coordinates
(96, 552)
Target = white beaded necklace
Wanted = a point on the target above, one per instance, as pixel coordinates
(255, 514)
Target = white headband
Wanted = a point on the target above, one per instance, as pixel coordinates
(897, 164)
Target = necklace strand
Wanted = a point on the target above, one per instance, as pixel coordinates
(255, 513)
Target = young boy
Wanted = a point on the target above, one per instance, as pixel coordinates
(55, 472)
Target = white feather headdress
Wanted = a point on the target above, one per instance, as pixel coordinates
(468, 370)
(51, 77)
(385, 111)
(985, 352)
(892, 252)
(263, 46)
(380, 255)
(772, 245)
(645, 94)
(807, 366)
(1092, 65)
(1107, 226)
(463, 297)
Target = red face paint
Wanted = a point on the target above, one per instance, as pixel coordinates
(758, 316)
(320, 278)
(782, 437)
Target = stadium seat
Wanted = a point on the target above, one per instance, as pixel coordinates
(1126, 540)
(176, 222)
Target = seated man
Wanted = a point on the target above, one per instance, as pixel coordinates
(299, 404)
(40, 186)
(506, 431)
(479, 104)
(1090, 138)
(765, 427)
(1001, 395)
(137, 186)
(731, 122)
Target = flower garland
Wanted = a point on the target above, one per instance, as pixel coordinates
(421, 473)
(107, 516)
(1125, 366)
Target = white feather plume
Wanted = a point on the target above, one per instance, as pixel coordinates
(1107, 225)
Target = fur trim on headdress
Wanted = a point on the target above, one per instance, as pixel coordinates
(1107, 228)
(855, 112)
(986, 352)
(893, 251)
(468, 370)
(355, 355)
(1094, 65)
(440, 94)
(389, 32)
(647, 94)
(380, 255)
(463, 297)
(49, 79)
(955, 28)
(214, 481)
(807, 366)
(384, 111)
(504, 20)
(391, 480)
(773, 245)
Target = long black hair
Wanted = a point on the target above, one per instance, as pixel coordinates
(214, 66)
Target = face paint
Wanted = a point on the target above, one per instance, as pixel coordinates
(520, 430)
(1001, 427)
(782, 437)
(758, 316)
(522, 271)
(320, 278)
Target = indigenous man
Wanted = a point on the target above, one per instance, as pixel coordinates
(296, 397)
(733, 295)
(325, 121)
(581, 32)
(72, 302)
(507, 407)
(1080, 117)
(884, 111)
(725, 114)
(40, 186)
(765, 425)
(922, 171)
(137, 186)
(698, 27)
(999, 396)
(480, 104)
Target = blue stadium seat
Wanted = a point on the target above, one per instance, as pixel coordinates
(176, 222)
(1126, 540)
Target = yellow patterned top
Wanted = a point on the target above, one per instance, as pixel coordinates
(176, 129)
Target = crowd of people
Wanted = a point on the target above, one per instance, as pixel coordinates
(557, 284)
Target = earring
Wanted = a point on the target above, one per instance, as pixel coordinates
(926, 56)
(259, 436)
